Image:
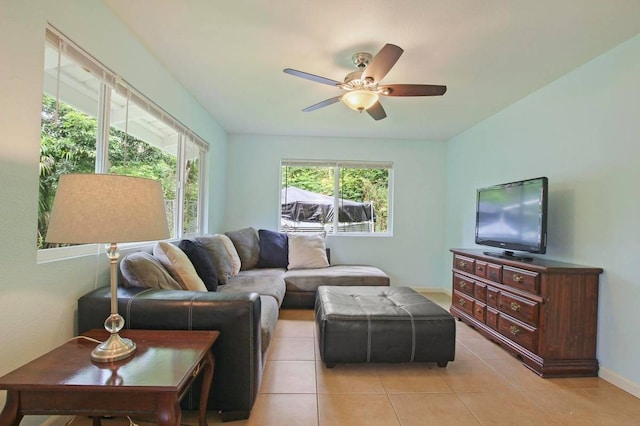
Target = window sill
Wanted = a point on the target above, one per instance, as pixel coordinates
(65, 253)
(362, 234)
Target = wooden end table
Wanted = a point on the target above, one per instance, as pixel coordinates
(150, 383)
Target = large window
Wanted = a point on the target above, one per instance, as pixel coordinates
(311, 190)
(94, 122)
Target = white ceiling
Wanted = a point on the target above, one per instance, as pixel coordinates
(489, 53)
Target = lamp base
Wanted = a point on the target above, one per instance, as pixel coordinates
(113, 349)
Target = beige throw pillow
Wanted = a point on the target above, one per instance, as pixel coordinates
(231, 252)
(178, 265)
(307, 251)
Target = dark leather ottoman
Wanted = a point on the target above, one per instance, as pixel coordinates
(382, 324)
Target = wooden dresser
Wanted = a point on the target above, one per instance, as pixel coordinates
(543, 312)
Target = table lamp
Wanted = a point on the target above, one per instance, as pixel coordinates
(102, 208)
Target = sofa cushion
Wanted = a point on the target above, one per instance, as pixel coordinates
(307, 251)
(247, 246)
(219, 254)
(274, 249)
(334, 275)
(268, 320)
(265, 282)
(202, 262)
(178, 265)
(141, 269)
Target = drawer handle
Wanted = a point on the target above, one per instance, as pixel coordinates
(462, 264)
(515, 307)
(517, 278)
(462, 284)
(514, 330)
(491, 296)
(462, 302)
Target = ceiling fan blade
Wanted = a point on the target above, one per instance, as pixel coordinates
(384, 60)
(413, 90)
(377, 112)
(311, 77)
(322, 104)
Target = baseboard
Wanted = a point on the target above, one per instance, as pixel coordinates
(433, 290)
(57, 421)
(619, 381)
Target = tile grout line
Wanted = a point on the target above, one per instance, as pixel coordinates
(316, 350)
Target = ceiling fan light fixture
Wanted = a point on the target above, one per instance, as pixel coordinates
(360, 100)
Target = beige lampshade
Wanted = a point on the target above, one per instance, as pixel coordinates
(360, 100)
(101, 208)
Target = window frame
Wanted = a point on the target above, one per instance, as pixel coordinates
(109, 82)
(338, 165)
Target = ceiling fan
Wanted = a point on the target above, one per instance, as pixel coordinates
(363, 86)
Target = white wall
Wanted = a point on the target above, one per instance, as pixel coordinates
(38, 301)
(412, 256)
(582, 133)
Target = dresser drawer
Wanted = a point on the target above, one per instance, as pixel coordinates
(480, 291)
(492, 318)
(494, 272)
(522, 309)
(466, 264)
(481, 269)
(463, 284)
(463, 302)
(518, 332)
(521, 279)
(479, 310)
(492, 296)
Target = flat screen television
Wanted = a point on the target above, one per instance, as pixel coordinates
(513, 217)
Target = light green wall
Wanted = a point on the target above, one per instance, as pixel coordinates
(582, 132)
(411, 257)
(38, 301)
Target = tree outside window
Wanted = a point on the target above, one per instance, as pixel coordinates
(93, 122)
(310, 190)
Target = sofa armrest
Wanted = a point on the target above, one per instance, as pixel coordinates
(236, 315)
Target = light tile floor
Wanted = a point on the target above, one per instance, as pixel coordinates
(483, 386)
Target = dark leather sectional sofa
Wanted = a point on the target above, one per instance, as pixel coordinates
(245, 311)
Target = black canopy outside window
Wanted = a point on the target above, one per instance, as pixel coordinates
(300, 205)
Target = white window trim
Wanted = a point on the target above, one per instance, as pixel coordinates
(82, 250)
(111, 80)
(338, 164)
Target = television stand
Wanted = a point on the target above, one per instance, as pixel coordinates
(543, 312)
(508, 255)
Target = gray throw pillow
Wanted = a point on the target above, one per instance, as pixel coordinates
(140, 269)
(247, 245)
(220, 256)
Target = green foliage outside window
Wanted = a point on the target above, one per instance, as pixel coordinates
(356, 184)
(68, 145)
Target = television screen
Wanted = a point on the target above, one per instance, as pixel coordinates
(512, 216)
